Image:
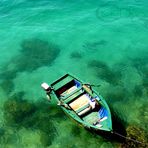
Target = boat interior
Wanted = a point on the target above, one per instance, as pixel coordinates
(79, 101)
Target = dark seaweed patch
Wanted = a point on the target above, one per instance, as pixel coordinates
(145, 82)
(103, 71)
(8, 137)
(2, 132)
(145, 70)
(138, 62)
(118, 94)
(75, 55)
(138, 91)
(43, 122)
(141, 64)
(8, 74)
(17, 110)
(94, 45)
(36, 53)
(22, 113)
(46, 139)
(143, 115)
(7, 77)
(76, 131)
(7, 85)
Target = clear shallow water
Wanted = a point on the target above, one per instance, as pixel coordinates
(101, 42)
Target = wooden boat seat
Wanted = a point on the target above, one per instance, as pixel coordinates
(76, 94)
(84, 111)
(68, 89)
(81, 105)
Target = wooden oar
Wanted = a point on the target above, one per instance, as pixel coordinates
(92, 85)
(95, 85)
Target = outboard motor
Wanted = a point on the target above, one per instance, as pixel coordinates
(48, 90)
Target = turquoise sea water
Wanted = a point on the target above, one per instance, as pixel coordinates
(102, 42)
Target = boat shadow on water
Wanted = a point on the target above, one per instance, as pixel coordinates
(80, 102)
(127, 136)
(119, 129)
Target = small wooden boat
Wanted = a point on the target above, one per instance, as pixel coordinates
(81, 102)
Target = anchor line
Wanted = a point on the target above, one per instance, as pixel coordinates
(128, 138)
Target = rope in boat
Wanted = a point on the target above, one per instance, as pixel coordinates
(128, 138)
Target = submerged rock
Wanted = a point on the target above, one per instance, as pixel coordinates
(138, 135)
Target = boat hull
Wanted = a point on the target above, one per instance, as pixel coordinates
(79, 101)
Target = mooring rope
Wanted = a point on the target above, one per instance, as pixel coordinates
(128, 138)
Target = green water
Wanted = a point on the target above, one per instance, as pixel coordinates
(101, 42)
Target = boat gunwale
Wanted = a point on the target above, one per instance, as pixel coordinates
(75, 116)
